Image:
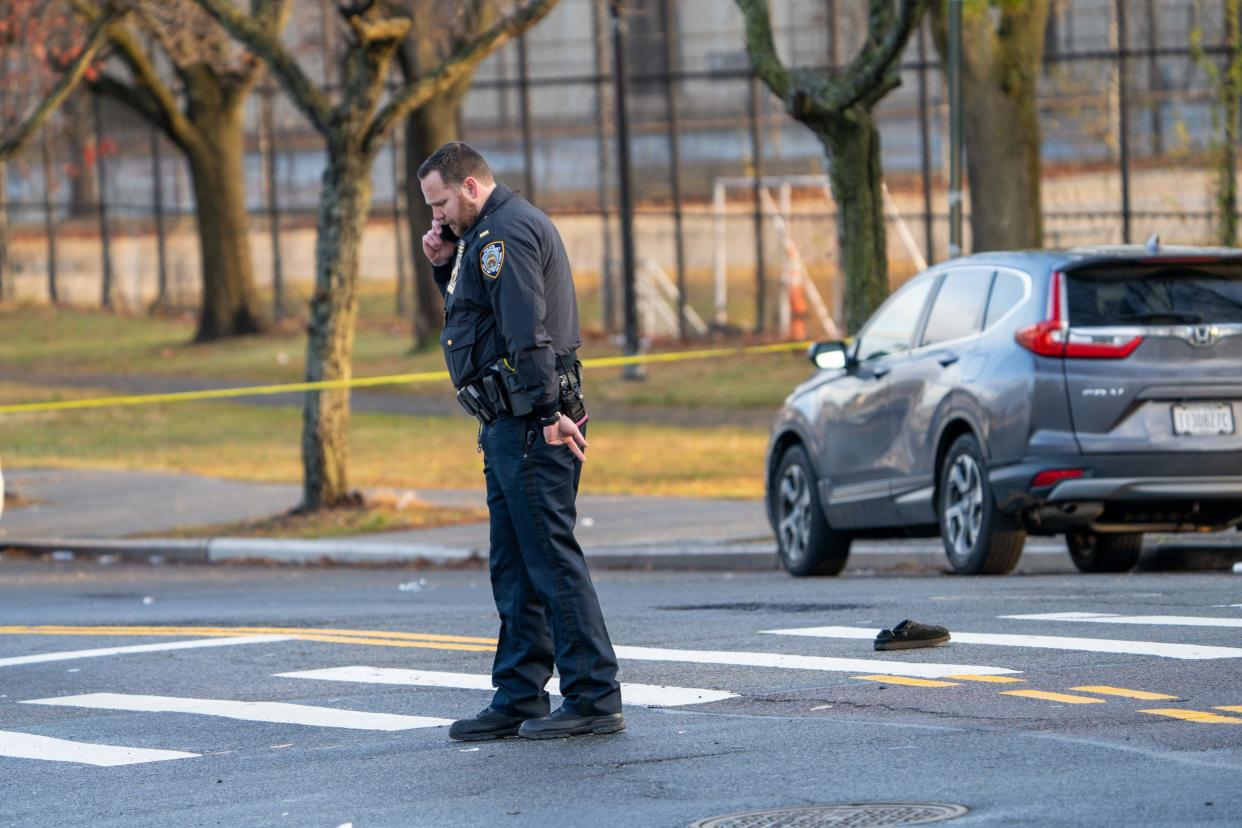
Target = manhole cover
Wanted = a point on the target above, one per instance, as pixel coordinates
(883, 813)
(754, 606)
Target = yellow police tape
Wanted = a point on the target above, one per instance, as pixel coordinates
(367, 382)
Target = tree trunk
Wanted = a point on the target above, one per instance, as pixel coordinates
(853, 145)
(426, 129)
(343, 206)
(1001, 59)
(229, 306)
(1002, 163)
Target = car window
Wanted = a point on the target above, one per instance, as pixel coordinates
(957, 310)
(893, 327)
(1156, 294)
(1007, 291)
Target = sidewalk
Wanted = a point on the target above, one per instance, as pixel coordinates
(90, 513)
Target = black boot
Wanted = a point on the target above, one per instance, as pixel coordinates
(489, 724)
(563, 722)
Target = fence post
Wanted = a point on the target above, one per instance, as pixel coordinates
(756, 143)
(955, 128)
(267, 153)
(49, 216)
(619, 30)
(603, 125)
(674, 151)
(398, 187)
(157, 191)
(5, 288)
(102, 179)
(1123, 115)
(929, 237)
(1154, 84)
(528, 142)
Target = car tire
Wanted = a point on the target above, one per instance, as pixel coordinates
(805, 544)
(978, 537)
(1104, 552)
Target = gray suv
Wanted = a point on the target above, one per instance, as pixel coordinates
(1091, 392)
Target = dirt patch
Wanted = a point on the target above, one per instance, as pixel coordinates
(381, 513)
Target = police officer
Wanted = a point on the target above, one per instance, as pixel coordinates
(510, 340)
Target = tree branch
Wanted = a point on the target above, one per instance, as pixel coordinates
(256, 35)
(136, 98)
(762, 49)
(450, 70)
(68, 82)
(149, 96)
(869, 69)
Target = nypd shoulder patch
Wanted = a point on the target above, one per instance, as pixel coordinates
(492, 258)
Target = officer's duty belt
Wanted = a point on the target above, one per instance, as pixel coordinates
(497, 392)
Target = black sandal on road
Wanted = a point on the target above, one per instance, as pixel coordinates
(911, 634)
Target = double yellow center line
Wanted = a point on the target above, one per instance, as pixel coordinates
(381, 638)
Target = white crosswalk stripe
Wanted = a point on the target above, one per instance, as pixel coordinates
(29, 746)
(276, 712)
(785, 661)
(70, 655)
(1150, 620)
(650, 695)
(1046, 642)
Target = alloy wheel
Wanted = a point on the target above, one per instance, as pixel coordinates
(963, 509)
(794, 514)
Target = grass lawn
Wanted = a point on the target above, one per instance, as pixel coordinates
(263, 444)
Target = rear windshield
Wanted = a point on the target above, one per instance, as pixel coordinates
(1155, 295)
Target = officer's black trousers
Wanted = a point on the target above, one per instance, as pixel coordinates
(549, 612)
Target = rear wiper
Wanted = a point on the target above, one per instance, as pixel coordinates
(1188, 317)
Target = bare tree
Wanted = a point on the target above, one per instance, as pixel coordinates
(837, 107)
(1002, 50)
(43, 58)
(204, 119)
(432, 125)
(354, 129)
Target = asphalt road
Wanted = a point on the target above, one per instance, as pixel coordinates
(1134, 733)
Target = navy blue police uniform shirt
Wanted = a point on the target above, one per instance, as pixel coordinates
(512, 297)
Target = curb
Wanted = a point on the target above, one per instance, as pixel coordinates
(676, 556)
(1041, 557)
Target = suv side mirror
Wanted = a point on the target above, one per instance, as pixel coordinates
(828, 356)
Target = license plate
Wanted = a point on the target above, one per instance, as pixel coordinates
(1198, 420)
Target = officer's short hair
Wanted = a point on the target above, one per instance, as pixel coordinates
(456, 161)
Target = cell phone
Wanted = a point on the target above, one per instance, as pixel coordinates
(447, 234)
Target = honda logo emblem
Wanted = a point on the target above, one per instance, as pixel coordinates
(1203, 336)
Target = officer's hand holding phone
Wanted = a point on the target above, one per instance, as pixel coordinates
(439, 243)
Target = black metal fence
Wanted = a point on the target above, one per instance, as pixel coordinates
(728, 189)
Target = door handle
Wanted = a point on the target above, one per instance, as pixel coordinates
(947, 358)
(880, 371)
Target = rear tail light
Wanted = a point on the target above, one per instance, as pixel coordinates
(1053, 337)
(1049, 477)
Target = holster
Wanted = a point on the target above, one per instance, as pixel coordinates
(498, 393)
(472, 398)
(573, 404)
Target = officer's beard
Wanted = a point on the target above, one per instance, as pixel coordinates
(469, 215)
